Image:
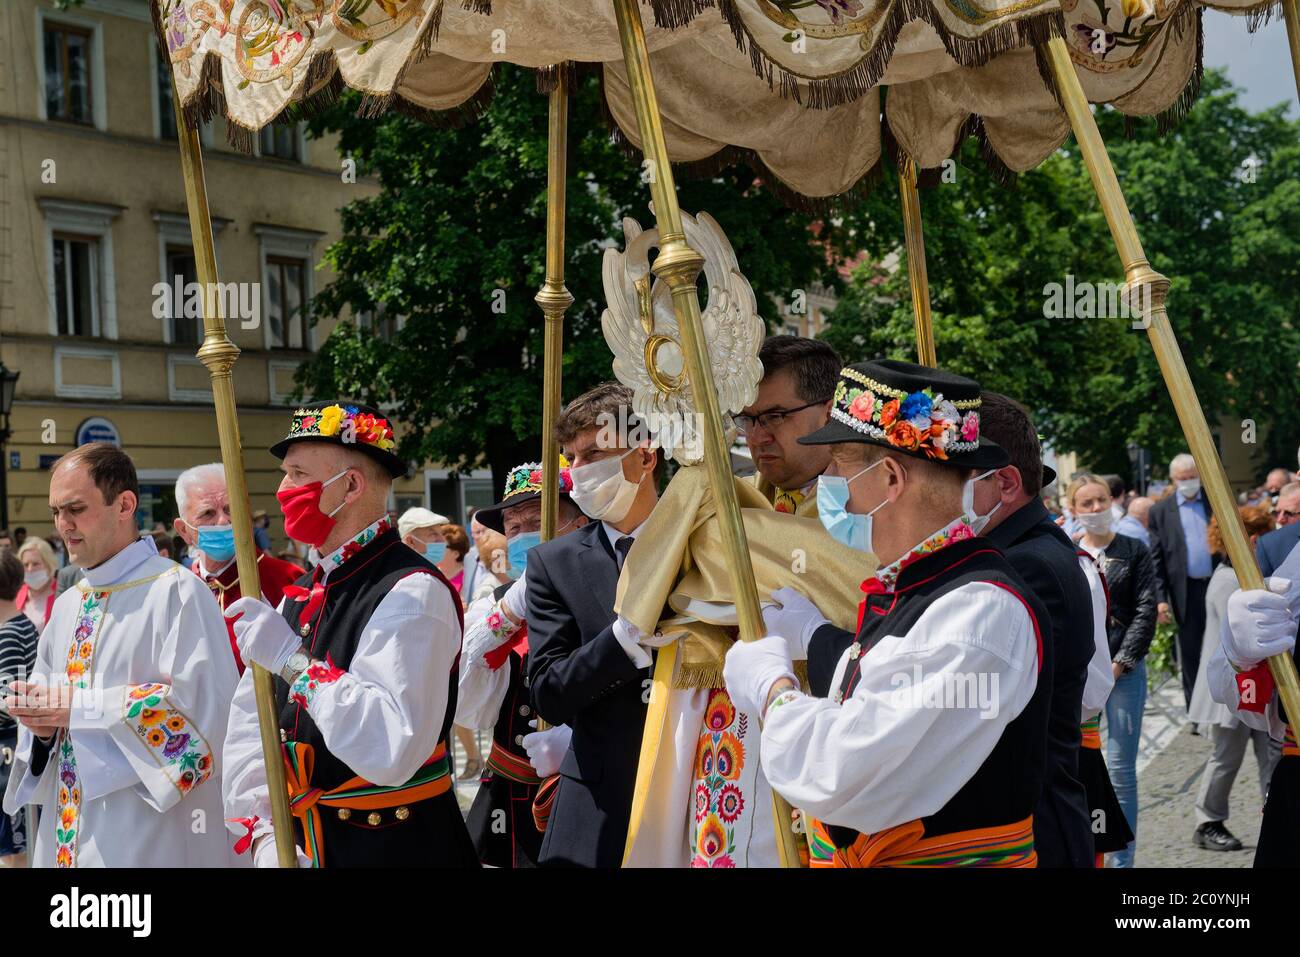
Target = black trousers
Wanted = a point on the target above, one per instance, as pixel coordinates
(1191, 634)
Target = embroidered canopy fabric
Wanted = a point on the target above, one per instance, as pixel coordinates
(793, 86)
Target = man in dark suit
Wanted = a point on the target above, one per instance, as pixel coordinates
(1046, 559)
(585, 670)
(1183, 561)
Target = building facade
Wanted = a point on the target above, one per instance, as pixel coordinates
(96, 252)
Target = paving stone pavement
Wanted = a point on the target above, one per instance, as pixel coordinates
(1171, 763)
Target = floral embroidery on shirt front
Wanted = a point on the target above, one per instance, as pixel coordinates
(719, 800)
(81, 651)
(955, 531)
(352, 546)
(177, 745)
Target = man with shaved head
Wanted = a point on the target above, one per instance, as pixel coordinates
(365, 648)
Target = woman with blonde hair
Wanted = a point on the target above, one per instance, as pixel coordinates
(36, 597)
(1131, 624)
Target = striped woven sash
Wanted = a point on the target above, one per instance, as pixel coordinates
(1289, 747)
(511, 766)
(1091, 730)
(357, 794)
(905, 845)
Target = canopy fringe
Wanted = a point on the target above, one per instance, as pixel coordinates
(849, 85)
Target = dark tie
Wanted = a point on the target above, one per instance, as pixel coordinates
(621, 548)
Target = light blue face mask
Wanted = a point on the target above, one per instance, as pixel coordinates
(216, 541)
(847, 528)
(517, 551)
(435, 551)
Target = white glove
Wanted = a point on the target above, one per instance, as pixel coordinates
(491, 631)
(794, 618)
(265, 855)
(262, 634)
(546, 748)
(752, 667)
(1290, 589)
(516, 598)
(1260, 624)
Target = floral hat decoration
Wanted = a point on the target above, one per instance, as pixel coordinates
(345, 423)
(523, 484)
(914, 409)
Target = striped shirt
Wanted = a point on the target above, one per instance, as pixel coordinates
(18, 637)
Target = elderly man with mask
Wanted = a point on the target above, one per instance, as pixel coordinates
(204, 524)
(366, 653)
(1184, 563)
(923, 742)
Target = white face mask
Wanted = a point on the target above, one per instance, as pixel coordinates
(601, 490)
(36, 579)
(971, 517)
(1096, 523)
(1188, 488)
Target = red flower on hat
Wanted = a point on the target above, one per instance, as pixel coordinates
(860, 407)
(888, 413)
(905, 436)
(535, 476)
(309, 421)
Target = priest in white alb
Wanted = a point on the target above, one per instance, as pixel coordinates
(124, 714)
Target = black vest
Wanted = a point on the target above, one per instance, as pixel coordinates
(352, 593)
(1006, 786)
(500, 820)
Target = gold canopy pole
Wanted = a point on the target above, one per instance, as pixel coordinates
(218, 353)
(1144, 284)
(1293, 38)
(918, 278)
(553, 297)
(679, 265)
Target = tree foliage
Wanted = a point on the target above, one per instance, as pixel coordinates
(1217, 206)
(458, 227)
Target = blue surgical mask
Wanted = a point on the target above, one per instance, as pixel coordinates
(435, 551)
(217, 542)
(847, 528)
(517, 551)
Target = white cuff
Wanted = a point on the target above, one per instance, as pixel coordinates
(627, 635)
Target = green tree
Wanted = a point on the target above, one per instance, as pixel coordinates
(458, 228)
(1217, 204)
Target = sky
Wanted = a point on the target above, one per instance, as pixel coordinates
(1259, 63)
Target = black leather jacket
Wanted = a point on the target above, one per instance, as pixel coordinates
(1131, 584)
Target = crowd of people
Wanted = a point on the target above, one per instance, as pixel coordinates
(1004, 617)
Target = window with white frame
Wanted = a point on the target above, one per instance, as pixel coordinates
(281, 141)
(286, 285)
(69, 91)
(166, 108)
(182, 269)
(76, 285)
(287, 260)
(79, 274)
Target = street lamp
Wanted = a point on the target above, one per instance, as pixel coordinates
(8, 385)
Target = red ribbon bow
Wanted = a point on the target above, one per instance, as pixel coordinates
(1255, 689)
(313, 598)
(245, 842)
(872, 586)
(498, 655)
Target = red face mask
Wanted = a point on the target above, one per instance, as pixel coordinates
(303, 520)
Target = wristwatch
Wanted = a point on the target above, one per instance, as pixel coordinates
(298, 663)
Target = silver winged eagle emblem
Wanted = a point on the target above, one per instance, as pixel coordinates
(641, 330)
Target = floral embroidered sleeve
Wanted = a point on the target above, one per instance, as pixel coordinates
(162, 733)
(309, 684)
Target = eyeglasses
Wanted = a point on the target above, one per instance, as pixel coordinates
(771, 420)
(1283, 515)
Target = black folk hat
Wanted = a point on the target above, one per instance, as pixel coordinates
(347, 424)
(912, 409)
(523, 484)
